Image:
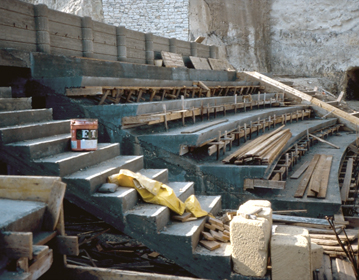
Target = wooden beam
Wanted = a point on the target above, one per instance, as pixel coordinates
(16, 244)
(43, 264)
(89, 91)
(304, 220)
(324, 141)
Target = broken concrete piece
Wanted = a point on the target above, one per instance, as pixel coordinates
(250, 240)
(317, 256)
(291, 253)
(108, 188)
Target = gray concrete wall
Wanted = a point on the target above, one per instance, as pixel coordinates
(28, 27)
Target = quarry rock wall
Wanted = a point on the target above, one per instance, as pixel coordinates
(167, 18)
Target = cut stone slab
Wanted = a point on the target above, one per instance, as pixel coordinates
(250, 240)
(317, 256)
(291, 257)
(20, 215)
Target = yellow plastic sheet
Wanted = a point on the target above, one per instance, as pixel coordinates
(155, 192)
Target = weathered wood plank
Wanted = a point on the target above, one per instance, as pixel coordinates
(90, 91)
(306, 177)
(172, 59)
(54, 205)
(320, 172)
(67, 245)
(42, 265)
(16, 244)
(220, 64)
(266, 184)
(294, 219)
(300, 170)
(200, 63)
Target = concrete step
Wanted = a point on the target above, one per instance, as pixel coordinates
(150, 217)
(10, 118)
(5, 92)
(123, 199)
(69, 162)
(160, 175)
(187, 235)
(42, 147)
(13, 104)
(20, 215)
(33, 131)
(219, 260)
(86, 182)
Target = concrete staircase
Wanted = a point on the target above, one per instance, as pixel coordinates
(37, 145)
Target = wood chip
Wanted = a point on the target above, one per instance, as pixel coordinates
(154, 255)
(182, 217)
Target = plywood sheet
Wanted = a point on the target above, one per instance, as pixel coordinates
(200, 63)
(220, 64)
(172, 59)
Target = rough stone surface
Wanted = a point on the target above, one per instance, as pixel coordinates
(167, 18)
(250, 240)
(317, 256)
(290, 256)
(91, 8)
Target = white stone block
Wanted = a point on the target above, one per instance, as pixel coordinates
(250, 240)
(317, 256)
(290, 257)
(264, 204)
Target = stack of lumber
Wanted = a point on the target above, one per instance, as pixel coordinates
(216, 230)
(316, 176)
(262, 150)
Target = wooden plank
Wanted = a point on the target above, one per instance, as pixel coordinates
(15, 19)
(266, 184)
(16, 244)
(172, 59)
(90, 91)
(327, 242)
(339, 248)
(210, 245)
(220, 64)
(306, 177)
(315, 180)
(208, 236)
(324, 183)
(203, 126)
(294, 219)
(67, 245)
(54, 204)
(324, 141)
(344, 192)
(353, 221)
(300, 170)
(43, 264)
(200, 63)
(39, 251)
(63, 29)
(17, 6)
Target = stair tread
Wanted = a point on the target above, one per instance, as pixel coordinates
(32, 125)
(120, 192)
(71, 154)
(24, 111)
(152, 173)
(188, 228)
(148, 209)
(34, 142)
(94, 170)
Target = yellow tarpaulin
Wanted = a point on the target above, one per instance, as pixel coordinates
(155, 192)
